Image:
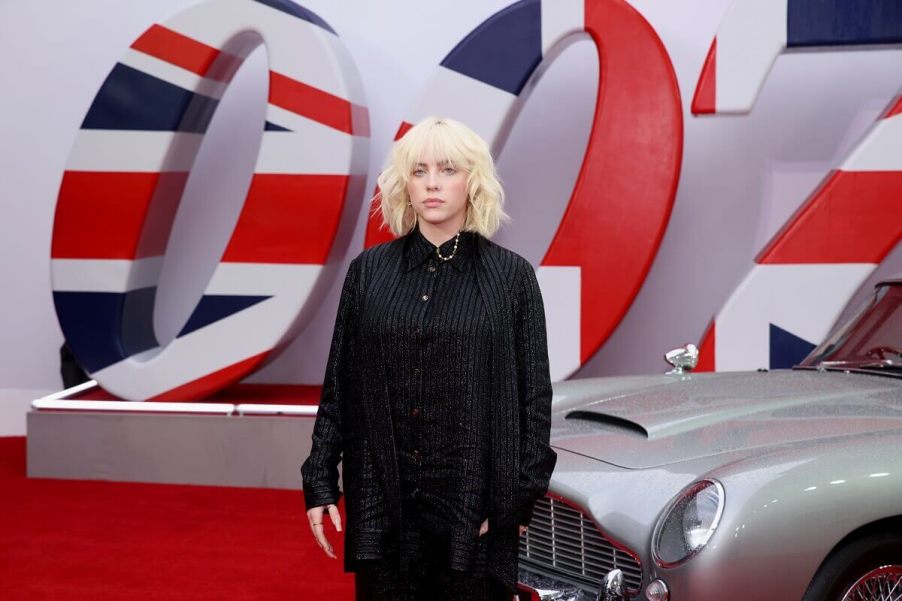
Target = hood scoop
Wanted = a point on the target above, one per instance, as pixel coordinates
(616, 424)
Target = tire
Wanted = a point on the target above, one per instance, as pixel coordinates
(874, 559)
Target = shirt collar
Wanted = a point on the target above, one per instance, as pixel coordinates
(419, 248)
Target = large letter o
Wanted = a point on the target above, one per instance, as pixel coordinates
(129, 165)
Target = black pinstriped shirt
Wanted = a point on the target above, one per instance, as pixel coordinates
(438, 384)
(437, 401)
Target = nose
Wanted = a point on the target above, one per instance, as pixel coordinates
(432, 181)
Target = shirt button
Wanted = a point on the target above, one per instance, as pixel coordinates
(416, 371)
(415, 412)
(424, 298)
(431, 267)
(417, 454)
(416, 331)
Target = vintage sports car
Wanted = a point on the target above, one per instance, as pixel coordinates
(742, 486)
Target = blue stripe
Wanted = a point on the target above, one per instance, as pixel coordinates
(133, 100)
(286, 6)
(97, 330)
(273, 127)
(212, 308)
(843, 22)
(504, 50)
(787, 349)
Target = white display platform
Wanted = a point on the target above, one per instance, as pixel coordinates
(222, 444)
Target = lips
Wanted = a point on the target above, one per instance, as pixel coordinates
(433, 202)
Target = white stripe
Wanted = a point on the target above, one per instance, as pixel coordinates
(802, 299)
(561, 297)
(122, 275)
(751, 37)
(302, 125)
(881, 150)
(561, 18)
(264, 279)
(257, 409)
(132, 406)
(254, 330)
(315, 150)
(177, 76)
(67, 392)
(296, 48)
(484, 109)
(133, 151)
(104, 275)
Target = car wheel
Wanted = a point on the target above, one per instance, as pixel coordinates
(868, 569)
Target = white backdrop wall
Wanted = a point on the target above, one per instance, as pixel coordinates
(742, 176)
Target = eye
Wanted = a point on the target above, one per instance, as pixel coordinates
(419, 172)
(449, 170)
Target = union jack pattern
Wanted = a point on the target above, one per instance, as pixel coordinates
(127, 171)
(625, 190)
(806, 274)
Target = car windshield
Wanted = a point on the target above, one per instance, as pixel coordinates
(871, 339)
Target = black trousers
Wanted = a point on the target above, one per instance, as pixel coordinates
(429, 577)
(381, 580)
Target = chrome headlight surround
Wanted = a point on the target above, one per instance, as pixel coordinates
(688, 523)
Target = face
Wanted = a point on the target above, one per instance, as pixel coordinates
(438, 193)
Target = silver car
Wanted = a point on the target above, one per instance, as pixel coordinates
(742, 486)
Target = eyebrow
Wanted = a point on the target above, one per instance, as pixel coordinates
(439, 164)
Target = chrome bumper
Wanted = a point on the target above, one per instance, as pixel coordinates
(543, 588)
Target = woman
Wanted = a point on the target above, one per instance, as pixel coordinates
(437, 394)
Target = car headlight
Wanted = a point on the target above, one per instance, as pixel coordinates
(688, 523)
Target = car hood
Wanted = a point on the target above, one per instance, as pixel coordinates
(641, 422)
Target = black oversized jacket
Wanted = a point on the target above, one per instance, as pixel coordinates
(354, 425)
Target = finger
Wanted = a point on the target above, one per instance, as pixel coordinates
(314, 516)
(484, 527)
(336, 517)
(320, 531)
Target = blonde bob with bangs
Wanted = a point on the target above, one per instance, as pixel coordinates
(443, 140)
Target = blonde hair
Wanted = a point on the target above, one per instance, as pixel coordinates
(445, 140)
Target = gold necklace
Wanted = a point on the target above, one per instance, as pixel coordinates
(451, 256)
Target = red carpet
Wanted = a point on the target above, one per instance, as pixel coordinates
(74, 540)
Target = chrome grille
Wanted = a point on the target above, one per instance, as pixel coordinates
(563, 543)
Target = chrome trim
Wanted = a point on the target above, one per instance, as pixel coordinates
(682, 359)
(612, 587)
(563, 543)
(667, 510)
(550, 589)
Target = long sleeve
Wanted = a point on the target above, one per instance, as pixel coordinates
(537, 459)
(320, 470)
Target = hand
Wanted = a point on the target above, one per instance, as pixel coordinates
(484, 527)
(315, 517)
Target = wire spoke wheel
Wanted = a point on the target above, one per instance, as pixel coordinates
(881, 584)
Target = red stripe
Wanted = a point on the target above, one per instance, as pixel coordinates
(276, 394)
(203, 387)
(315, 104)
(187, 53)
(624, 193)
(376, 231)
(705, 90)
(706, 349)
(405, 127)
(288, 219)
(103, 215)
(853, 217)
(895, 109)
